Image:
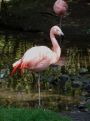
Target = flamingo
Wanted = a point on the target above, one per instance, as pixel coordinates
(39, 58)
(60, 7)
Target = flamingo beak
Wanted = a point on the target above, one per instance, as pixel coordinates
(62, 34)
(62, 37)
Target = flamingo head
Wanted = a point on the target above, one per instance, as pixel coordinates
(55, 30)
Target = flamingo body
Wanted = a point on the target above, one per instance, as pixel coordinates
(60, 7)
(39, 58)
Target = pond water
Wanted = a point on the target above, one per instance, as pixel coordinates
(13, 44)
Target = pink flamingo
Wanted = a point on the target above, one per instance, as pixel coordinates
(60, 7)
(39, 58)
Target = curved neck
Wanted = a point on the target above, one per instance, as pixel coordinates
(56, 47)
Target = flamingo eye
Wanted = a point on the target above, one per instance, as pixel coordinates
(58, 31)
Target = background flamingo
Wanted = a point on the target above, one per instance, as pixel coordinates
(39, 58)
(60, 8)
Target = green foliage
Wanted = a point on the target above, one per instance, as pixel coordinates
(68, 87)
(51, 73)
(14, 114)
(88, 106)
(70, 66)
(21, 82)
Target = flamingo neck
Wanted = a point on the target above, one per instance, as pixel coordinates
(56, 47)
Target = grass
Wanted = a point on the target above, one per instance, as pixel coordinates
(18, 114)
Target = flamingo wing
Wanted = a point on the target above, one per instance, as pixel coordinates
(36, 55)
(41, 64)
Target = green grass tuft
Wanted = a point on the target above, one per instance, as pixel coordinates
(16, 114)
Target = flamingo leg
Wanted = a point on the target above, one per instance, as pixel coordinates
(60, 24)
(60, 21)
(39, 95)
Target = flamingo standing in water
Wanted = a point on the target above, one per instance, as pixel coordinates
(60, 8)
(39, 58)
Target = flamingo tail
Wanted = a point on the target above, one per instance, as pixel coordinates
(17, 66)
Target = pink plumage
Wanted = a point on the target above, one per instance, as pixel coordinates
(39, 58)
(60, 7)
